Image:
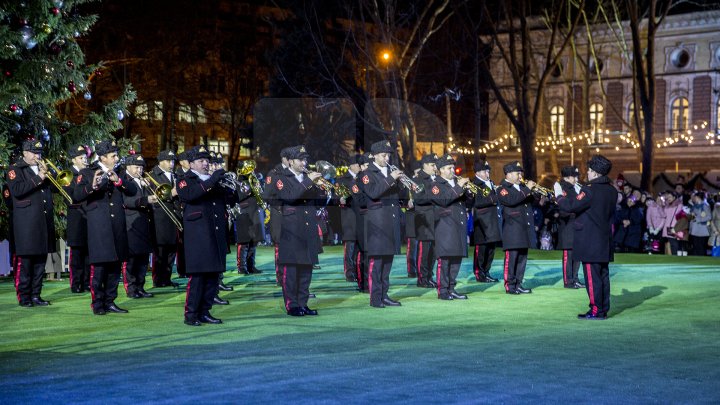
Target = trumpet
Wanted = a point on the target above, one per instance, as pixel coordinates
(473, 189)
(160, 192)
(62, 178)
(407, 181)
(540, 190)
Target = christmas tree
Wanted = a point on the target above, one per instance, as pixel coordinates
(45, 87)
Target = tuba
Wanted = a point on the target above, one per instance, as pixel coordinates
(248, 169)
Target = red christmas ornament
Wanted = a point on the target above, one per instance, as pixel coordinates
(13, 107)
(71, 87)
(70, 64)
(131, 151)
(55, 10)
(98, 72)
(8, 73)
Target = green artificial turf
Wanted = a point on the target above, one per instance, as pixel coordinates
(661, 343)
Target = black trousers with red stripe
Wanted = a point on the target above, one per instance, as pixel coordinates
(411, 257)
(447, 272)
(29, 276)
(482, 260)
(296, 280)
(350, 255)
(79, 266)
(597, 279)
(163, 258)
(514, 268)
(104, 280)
(426, 260)
(570, 268)
(134, 271)
(361, 264)
(379, 278)
(200, 291)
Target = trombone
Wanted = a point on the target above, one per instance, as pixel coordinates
(162, 191)
(62, 178)
(328, 171)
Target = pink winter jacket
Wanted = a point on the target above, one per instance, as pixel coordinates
(669, 213)
(655, 216)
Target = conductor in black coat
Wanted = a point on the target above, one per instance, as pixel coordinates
(299, 245)
(204, 226)
(33, 223)
(594, 208)
(166, 232)
(425, 222)
(101, 190)
(76, 231)
(449, 200)
(486, 223)
(569, 185)
(381, 222)
(518, 227)
(138, 220)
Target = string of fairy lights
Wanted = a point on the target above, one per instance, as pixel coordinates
(592, 141)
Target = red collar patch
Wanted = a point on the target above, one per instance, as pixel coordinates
(366, 179)
(279, 185)
(581, 196)
(11, 174)
(6, 193)
(355, 189)
(435, 190)
(79, 179)
(268, 180)
(182, 184)
(504, 192)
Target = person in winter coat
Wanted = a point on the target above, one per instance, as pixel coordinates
(700, 215)
(628, 227)
(681, 231)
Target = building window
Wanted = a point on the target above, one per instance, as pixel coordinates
(597, 121)
(557, 122)
(184, 113)
(679, 113)
(201, 118)
(680, 58)
(157, 110)
(142, 112)
(219, 145)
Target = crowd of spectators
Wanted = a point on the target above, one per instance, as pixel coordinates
(674, 222)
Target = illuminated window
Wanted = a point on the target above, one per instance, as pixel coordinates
(596, 117)
(201, 118)
(679, 113)
(184, 113)
(157, 110)
(219, 145)
(557, 122)
(142, 112)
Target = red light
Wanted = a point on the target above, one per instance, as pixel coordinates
(458, 170)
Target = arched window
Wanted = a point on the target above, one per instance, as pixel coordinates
(557, 122)
(597, 122)
(679, 113)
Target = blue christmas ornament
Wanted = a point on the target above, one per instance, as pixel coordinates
(120, 115)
